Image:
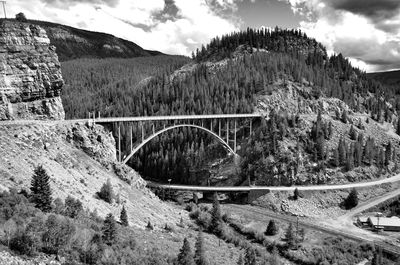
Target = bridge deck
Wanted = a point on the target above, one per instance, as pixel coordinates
(177, 117)
(395, 178)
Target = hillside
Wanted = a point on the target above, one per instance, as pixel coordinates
(74, 165)
(73, 43)
(391, 78)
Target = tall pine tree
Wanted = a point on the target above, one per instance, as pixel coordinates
(124, 217)
(109, 230)
(250, 257)
(200, 253)
(185, 256)
(216, 217)
(40, 188)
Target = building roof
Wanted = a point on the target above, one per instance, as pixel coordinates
(385, 221)
(363, 219)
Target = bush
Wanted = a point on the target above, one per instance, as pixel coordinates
(21, 17)
(72, 207)
(352, 199)
(149, 226)
(106, 192)
(58, 233)
(23, 243)
(272, 228)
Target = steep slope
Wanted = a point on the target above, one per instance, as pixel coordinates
(73, 43)
(79, 159)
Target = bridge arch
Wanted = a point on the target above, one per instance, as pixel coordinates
(137, 148)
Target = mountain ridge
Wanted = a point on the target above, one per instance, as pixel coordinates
(73, 43)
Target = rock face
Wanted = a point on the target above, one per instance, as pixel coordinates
(30, 74)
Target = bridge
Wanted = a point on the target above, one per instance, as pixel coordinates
(393, 179)
(222, 127)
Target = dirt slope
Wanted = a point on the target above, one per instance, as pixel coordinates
(79, 160)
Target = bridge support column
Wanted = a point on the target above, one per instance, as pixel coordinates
(219, 128)
(131, 130)
(119, 142)
(234, 138)
(227, 132)
(251, 123)
(142, 130)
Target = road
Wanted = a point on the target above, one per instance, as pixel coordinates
(392, 179)
(312, 225)
(369, 204)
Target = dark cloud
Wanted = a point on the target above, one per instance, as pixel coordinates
(170, 12)
(374, 9)
(68, 3)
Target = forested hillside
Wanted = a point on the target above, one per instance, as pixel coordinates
(73, 43)
(391, 80)
(254, 63)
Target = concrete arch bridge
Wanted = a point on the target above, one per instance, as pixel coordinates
(222, 127)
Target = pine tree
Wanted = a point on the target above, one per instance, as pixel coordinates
(185, 256)
(274, 259)
(216, 217)
(250, 257)
(352, 199)
(398, 125)
(272, 228)
(342, 151)
(335, 158)
(240, 260)
(344, 117)
(296, 194)
(109, 230)
(290, 236)
(124, 217)
(40, 188)
(199, 254)
(353, 133)
(388, 153)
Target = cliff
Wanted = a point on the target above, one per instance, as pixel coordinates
(30, 74)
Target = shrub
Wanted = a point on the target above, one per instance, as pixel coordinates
(106, 192)
(21, 17)
(352, 199)
(149, 226)
(72, 207)
(23, 243)
(272, 228)
(204, 220)
(169, 228)
(58, 233)
(194, 214)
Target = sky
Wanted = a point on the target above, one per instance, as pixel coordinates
(366, 31)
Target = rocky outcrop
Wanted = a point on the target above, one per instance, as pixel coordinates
(30, 74)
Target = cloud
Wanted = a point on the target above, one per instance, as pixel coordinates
(170, 26)
(68, 3)
(367, 31)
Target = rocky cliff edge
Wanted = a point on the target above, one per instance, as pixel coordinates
(30, 74)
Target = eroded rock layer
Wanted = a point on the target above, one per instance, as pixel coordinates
(30, 74)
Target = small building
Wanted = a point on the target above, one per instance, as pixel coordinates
(385, 223)
(362, 221)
